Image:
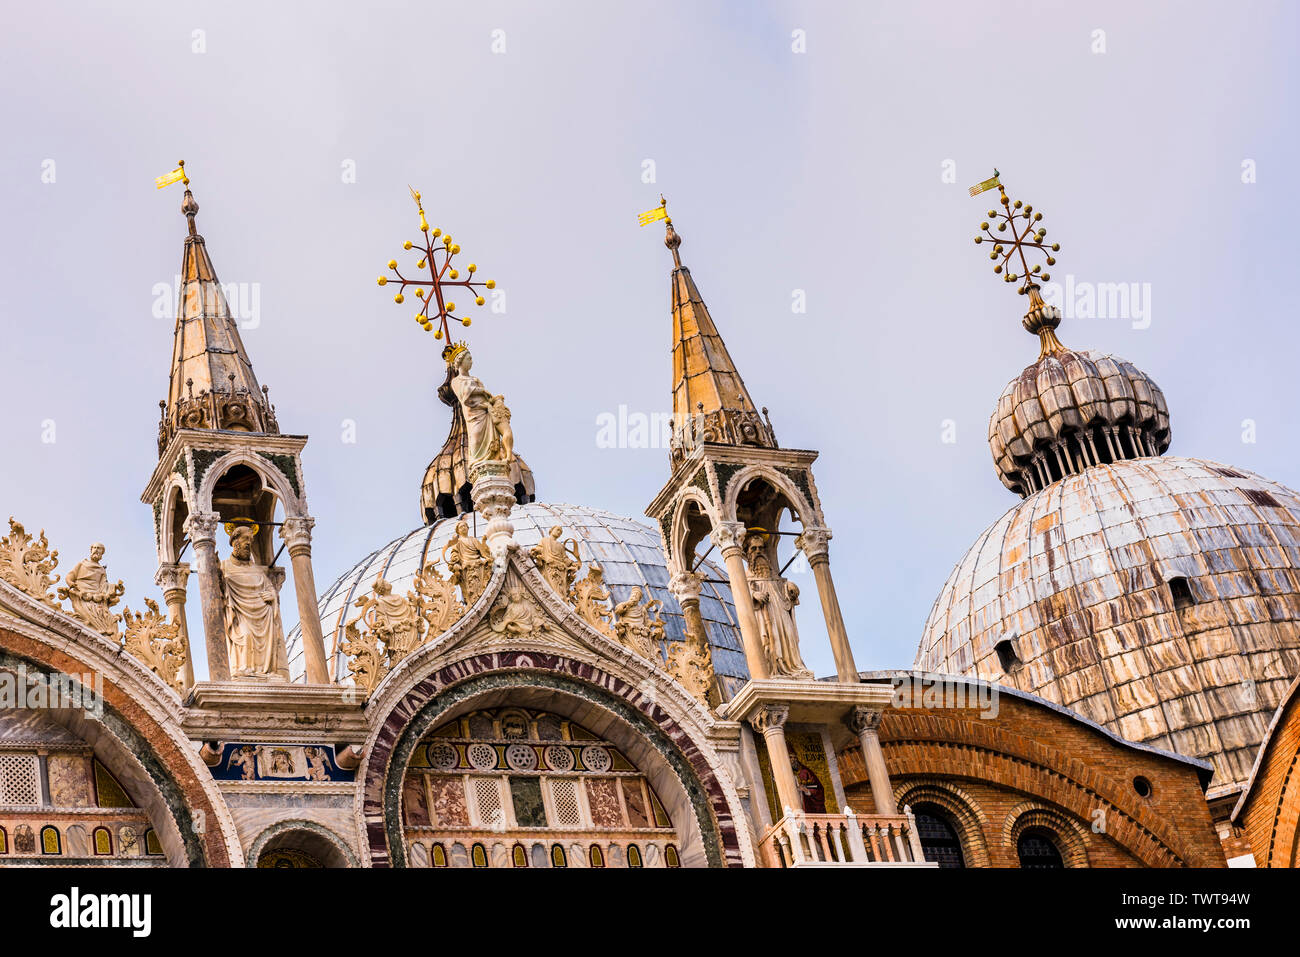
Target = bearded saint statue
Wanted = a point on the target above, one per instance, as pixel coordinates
(254, 634)
(87, 587)
(774, 600)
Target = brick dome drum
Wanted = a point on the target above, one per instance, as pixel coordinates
(1159, 597)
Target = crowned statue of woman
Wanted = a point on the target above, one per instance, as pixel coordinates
(489, 437)
(254, 634)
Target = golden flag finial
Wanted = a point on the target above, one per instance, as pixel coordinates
(436, 310)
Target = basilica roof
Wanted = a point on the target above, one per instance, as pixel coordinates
(1159, 597)
(629, 552)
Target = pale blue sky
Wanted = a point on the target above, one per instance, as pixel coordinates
(820, 171)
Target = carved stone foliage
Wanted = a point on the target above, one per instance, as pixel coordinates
(390, 626)
(153, 640)
(691, 666)
(26, 562)
(590, 598)
(638, 626)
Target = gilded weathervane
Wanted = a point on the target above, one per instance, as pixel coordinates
(432, 292)
(1020, 219)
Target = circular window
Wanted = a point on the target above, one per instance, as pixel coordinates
(1142, 786)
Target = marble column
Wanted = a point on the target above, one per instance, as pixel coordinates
(203, 535)
(865, 723)
(814, 542)
(729, 537)
(296, 532)
(172, 579)
(769, 721)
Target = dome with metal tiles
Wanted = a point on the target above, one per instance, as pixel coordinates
(629, 552)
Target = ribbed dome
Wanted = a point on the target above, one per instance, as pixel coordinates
(629, 551)
(1158, 597)
(1072, 409)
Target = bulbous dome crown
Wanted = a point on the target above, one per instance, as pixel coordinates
(1071, 409)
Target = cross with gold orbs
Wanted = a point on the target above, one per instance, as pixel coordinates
(436, 251)
(1012, 217)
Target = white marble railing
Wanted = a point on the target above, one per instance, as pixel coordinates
(800, 840)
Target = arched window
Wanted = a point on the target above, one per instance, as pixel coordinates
(633, 856)
(103, 841)
(557, 856)
(439, 856)
(4, 841)
(151, 843)
(1037, 848)
(478, 854)
(520, 856)
(939, 840)
(671, 857)
(597, 856)
(50, 840)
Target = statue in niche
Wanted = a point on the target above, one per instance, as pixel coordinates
(392, 619)
(517, 617)
(557, 561)
(590, 597)
(489, 437)
(774, 600)
(469, 560)
(87, 587)
(254, 633)
(638, 624)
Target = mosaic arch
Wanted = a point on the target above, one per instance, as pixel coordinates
(111, 786)
(655, 748)
(516, 787)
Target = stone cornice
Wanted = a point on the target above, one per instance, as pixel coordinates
(732, 454)
(809, 701)
(274, 711)
(218, 441)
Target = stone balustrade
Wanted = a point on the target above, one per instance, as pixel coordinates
(803, 840)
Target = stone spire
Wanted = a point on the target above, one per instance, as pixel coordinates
(212, 382)
(710, 400)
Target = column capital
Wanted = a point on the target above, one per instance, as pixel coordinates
(296, 533)
(685, 587)
(862, 718)
(172, 577)
(814, 542)
(729, 537)
(202, 528)
(768, 717)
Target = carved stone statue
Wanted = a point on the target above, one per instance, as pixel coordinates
(517, 616)
(590, 598)
(557, 561)
(774, 600)
(469, 561)
(254, 634)
(489, 437)
(393, 619)
(87, 587)
(638, 625)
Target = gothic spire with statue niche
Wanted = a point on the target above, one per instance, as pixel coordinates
(212, 382)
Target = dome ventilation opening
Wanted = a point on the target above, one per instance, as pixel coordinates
(1181, 592)
(1008, 659)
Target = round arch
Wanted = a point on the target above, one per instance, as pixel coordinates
(653, 740)
(965, 813)
(808, 515)
(307, 836)
(271, 477)
(1071, 840)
